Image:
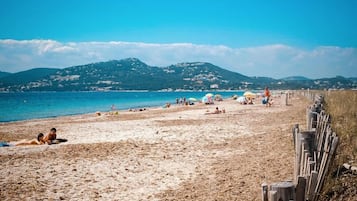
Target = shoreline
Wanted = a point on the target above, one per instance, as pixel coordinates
(72, 115)
(106, 112)
(27, 107)
(153, 105)
(208, 91)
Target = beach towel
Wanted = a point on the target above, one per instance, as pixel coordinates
(58, 140)
(4, 144)
(265, 100)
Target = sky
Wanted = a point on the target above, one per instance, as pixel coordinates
(256, 38)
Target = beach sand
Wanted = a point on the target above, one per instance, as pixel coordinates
(179, 153)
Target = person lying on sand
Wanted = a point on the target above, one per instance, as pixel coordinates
(50, 138)
(41, 139)
(135, 110)
(217, 111)
(37, 141)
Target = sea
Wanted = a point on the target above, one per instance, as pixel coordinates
(18, 106)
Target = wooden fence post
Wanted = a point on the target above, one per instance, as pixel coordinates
(264, 192)
(308, 119)
(312, 185)
(285, 190)
(300, 189)
(273, 196)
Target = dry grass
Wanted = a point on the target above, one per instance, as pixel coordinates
(341, 105)
(343, 109)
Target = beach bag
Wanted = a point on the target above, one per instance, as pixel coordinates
(265, 100)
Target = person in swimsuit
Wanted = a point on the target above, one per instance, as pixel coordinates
(37, 141)
(267, 96)
(51, 136)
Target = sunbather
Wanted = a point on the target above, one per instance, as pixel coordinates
(38, 141)
(51, 136)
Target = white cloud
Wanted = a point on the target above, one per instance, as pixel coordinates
(276, 60)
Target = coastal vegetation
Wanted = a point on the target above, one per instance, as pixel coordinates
(341, 105)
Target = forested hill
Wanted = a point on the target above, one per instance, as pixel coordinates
(133, 74)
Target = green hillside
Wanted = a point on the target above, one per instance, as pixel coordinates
(25, 77)
(4, 74)
(133, 74)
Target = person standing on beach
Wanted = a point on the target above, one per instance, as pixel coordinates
(267, 96)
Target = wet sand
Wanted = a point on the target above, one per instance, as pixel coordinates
(179, 153)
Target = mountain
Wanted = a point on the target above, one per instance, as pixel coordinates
(4, 74)
(133, 74)
(200, 75)
(295, 78)
(126, 74)
(337, 82)
(25, 77)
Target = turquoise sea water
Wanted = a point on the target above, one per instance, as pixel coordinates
(33, 105)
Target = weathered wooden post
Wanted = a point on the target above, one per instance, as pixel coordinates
(273, 196)
(286, 98)
(285, 191)
(300, 189)
(309, 119)
(295, 131)
(312, 185)
(264, 192)
(308, 139)
(314, 114)
(297, 154)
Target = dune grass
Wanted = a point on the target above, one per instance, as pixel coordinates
(342, 107)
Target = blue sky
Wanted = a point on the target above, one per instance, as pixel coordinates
(264, 38)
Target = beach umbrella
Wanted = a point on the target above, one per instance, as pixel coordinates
(249, 94)
(218, 97)
(192, 100)
(204, 99)
(209, 95)
(241, 99)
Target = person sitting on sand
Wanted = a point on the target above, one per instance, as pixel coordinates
(51, 136)
(250, 101)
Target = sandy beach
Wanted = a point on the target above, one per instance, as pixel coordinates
(179, 153)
